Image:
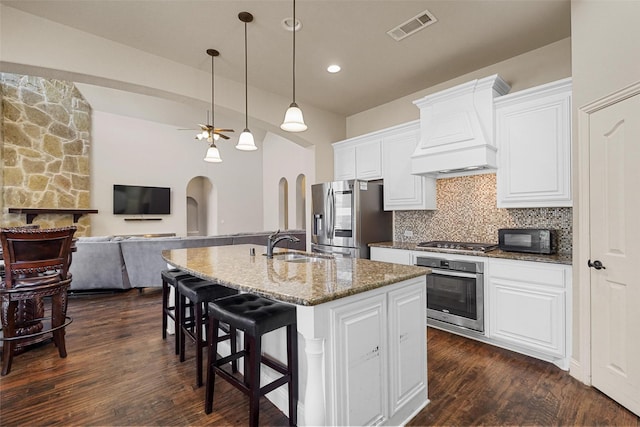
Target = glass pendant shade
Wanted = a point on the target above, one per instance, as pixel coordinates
(246, 142)
(293, 120)
(213, 155)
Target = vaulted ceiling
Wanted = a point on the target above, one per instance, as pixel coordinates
(468, 35)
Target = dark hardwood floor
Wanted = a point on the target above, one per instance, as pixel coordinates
(119, 371)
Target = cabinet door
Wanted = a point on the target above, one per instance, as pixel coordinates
(394, 256)
(528, 305)
(407, 344)
(533, 132)
(344, 163)
(360, 362)
(402, 190)
(369, 159)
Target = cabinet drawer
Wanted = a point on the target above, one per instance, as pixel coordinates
(529, 272)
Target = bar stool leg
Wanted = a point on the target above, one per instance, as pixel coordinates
(165, 305)
(255, 354)
(292, 365)
(234, 347)
(214, 324)
(198, 325)
(183, 316)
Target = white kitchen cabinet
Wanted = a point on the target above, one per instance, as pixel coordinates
(387, 154)
(529, 307)
(358, 158)
(379, 356)
(361, 360)
(344, 162)
(533, 134)
(394, 256)
(402, 190)
(407, 352)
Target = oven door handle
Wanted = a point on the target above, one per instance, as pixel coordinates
(454, 273)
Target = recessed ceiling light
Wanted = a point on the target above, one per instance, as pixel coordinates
(333, 68)
(287, 24)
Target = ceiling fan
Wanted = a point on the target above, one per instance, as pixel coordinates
(209, 131)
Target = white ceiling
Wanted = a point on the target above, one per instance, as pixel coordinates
(469, 34)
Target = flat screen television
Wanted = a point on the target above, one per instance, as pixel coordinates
(139, 200)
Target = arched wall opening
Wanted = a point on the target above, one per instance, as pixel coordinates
(283, 204)
(202, 207)
(301, 202)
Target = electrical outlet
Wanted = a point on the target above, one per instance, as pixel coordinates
(408, 233)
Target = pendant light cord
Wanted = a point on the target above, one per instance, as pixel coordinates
(294, 25)
(246, 79)
(212, 91)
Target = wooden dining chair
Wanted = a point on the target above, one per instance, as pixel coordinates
(36, 266)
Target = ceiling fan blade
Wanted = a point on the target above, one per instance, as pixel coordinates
(223, 136)
(223, 130)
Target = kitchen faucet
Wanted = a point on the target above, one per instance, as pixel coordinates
(274, 239)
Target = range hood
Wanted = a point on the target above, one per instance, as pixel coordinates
(457, 129)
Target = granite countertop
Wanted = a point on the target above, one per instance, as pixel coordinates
(496, 253)
(305, 283)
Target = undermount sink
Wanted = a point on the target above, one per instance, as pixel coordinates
(296, 257)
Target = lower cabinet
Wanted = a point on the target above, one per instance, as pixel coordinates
(527, 304)
(379, 356)
(529, 307)
(394, 256)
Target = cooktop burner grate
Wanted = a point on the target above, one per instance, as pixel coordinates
(461, 246)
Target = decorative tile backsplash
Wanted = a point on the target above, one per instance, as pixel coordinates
(467, 211)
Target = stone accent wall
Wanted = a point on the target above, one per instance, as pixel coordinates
(467, 211)
(45, 149)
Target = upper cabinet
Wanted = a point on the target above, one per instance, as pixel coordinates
(402, 190)
(533, 133)
(386, 154)
(358, 158)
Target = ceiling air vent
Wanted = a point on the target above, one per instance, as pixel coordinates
(413, 25)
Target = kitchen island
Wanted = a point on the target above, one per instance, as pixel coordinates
(361, 325)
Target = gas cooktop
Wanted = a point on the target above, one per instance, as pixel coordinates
(460, 246)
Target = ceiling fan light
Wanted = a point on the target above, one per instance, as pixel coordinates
(213, 155)
(246, 142)
(293, 119)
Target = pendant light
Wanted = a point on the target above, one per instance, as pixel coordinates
(246, 142)
(209, 131)
(293, 120)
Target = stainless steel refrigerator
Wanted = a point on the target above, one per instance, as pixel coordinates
(347, 216)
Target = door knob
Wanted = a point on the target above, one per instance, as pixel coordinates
(596, 264)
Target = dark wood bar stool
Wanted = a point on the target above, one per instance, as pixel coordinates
(36, 266)
(170, 278)
(255, 316)
(194, 293)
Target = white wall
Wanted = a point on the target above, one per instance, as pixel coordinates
(35, 46)
(284, 159)
(605, 55)
(133, 151)
(543, 65)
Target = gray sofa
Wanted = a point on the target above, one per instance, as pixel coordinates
(110, 262)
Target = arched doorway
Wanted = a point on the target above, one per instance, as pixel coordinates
(202, 207)
(301, 202)
(283, 204)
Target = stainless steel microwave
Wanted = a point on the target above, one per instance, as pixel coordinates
(530, 240)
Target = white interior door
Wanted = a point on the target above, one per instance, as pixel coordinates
(615, 232)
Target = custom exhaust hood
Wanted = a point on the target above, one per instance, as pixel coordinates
(457, 129)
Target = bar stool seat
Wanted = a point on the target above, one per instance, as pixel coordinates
(170, 278)
(255, 316)
(199, 292)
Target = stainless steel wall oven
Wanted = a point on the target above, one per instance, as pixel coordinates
(455, 292)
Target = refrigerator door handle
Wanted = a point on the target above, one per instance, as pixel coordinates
(330, 206)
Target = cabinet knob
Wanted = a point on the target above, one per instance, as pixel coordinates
(596, 264)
